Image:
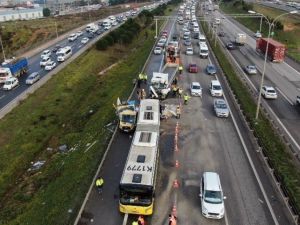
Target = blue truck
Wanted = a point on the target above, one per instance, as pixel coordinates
(13, 68)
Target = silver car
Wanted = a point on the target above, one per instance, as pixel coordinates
(32, 78)
(221, 108)
(251, 69)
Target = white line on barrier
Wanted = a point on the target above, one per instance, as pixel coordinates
(88, 148)
(125, 219)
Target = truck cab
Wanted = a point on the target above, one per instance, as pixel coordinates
(127, 114)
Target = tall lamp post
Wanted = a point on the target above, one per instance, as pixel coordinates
(266, 54)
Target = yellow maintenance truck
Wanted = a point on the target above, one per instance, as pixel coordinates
(127, 114)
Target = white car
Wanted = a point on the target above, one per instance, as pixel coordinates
(161, 43)
(59, 51)
(196, 89)
(46, 53)
(258, 34)
(115, 23)
(85, 40)
(10, 83)
(196, 29)
(189, 51)
(50, 65)
(79, 33)
(72, 37)
(251, 69)
(32, 78)
(157, 50)
(269, 92)
(44, 61)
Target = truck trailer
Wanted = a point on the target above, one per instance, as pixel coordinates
(276, 50)
(13, 68)
(240, 38)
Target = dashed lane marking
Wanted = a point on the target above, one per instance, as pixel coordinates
(286, 98)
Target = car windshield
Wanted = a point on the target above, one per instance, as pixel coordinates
(211, 68)
(193, 66)
(251, 67)
(221, 106)
(196, 87)
(271, 91)
(217, 87)
(8, 82)
(214, 197)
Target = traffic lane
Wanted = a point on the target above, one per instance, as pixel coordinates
(104, 208)
(285, 77)
(224, 144)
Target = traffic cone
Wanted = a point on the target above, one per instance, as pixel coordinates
(175, 184)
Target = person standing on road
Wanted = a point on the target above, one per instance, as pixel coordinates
(143, 94)
(99, 184)
(135, 223)
(180, 69)
(180, 91)
(186, 98)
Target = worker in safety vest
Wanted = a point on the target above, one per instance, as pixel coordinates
(180, 69)
(141, 76)
(135, 223)
(172, 220)
(99, 184)
(186, 98)
(141, 220)
(174, 89)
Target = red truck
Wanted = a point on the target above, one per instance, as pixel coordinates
(276, 50)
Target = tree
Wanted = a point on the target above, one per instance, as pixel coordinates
(46, 12)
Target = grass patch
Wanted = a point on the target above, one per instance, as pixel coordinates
(72, 108)
(279, 157)
(288, 35)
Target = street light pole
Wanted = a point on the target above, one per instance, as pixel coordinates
(261, 18)
(266, 56)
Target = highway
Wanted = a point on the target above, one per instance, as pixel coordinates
(34, 65)
(205, 143)
(282, 76)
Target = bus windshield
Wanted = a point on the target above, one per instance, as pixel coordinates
(128, 118)
(136, 196)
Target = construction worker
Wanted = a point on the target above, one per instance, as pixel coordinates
(186, 98)
(180, 69)
(178, 112)
(172, 220)
(99, 184)
(141, 220)
(174, 90)
(180, 91)
(143, 94)
(141, 76)
(135, 223)
(145, 78)
(175, 81)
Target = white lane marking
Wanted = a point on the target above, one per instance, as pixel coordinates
(281, 124)
(226, 218)
(161, 63)
(88, 148)
(125, 219)
(2, 96)
(286, 98)
(79, 46)
(292, 68)
(253, 167)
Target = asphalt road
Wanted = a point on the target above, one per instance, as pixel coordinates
(282, 76)
(205, 143)
(104, 209)
(34, 66)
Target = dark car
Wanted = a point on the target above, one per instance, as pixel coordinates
(211, 69)
(187, 42)
(230, 46)
(193, 68)
(99, 31)
(175, 38)
(221, 34)
(55, 49)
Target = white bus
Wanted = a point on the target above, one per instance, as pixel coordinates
(137, 184)
(64, 54)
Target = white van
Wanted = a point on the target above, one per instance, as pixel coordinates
(211, 194)
(64, 54)
(106, 22)
(202, 38)
(215, 88)
(203, 51)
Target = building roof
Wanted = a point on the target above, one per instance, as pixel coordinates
(5, 11)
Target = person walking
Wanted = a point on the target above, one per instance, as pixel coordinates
(180, 69)
(180, 91)
(99, 184)
(145, 78)
(175, 81)
(143, 94)
(174, 89)
(186, 98)
(135, 223)
(178, 112)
